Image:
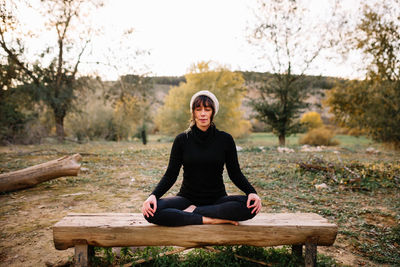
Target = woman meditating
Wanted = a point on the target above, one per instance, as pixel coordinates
(203, 151)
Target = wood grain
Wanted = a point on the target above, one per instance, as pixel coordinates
(131, 229)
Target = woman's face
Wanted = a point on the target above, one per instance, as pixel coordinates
(202, 116)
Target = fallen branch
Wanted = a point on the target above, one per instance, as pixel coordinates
(330, 170)
(29, 177)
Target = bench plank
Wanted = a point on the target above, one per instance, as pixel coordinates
(131, 229)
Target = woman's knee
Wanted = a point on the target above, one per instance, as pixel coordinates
(244, 212)
(152, 219)
(252, 215)
(149, 218)
(236, 210)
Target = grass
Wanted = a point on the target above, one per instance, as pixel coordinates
(268, 139)
(211, 256)
(355, 142)
(119, 176)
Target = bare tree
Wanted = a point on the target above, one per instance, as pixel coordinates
(291, 37)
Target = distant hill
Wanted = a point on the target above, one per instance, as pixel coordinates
(319, 84)
(323, 82)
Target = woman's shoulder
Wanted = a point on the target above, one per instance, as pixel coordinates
(224, 135)
(182, 137)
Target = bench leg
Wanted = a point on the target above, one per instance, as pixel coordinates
(297, 251)
(311, 255)
(83, 252)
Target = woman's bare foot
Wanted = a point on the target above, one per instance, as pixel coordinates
(191, 208)
(208, 220)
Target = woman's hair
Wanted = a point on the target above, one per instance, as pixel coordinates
(205, 101)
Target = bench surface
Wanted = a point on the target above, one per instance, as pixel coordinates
(131, 229)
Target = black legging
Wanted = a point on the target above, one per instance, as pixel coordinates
(170, 211)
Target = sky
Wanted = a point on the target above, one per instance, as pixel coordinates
(178, 34)
(175, 34)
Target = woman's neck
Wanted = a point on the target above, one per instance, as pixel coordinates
(204, 137)
(203, 128)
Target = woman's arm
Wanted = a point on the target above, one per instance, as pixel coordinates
(149, 206)
(233, 168)
(237, 177)
(174, 166)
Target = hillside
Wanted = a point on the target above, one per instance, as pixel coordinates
(317, 84)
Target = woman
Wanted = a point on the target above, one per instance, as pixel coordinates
(203, 151)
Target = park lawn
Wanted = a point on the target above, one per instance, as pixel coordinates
(118, 177)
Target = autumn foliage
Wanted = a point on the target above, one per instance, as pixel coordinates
(311, 120)
(173, 117)
(372, 105)
(321, 136)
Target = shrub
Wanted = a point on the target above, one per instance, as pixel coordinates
(126, 115)
(94, 121)
(311, 120)
(23, 125)
(98, 119)
(321, 136)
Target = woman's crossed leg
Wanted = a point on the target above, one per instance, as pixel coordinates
(179, 211)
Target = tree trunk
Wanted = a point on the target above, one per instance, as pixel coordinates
(29, 177)
(59, 127)
(144, 135)
(282, 140)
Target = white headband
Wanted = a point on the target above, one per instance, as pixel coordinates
(210, 95)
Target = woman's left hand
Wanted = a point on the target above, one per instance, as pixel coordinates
(256, 205)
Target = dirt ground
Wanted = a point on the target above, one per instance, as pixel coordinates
(117, 177)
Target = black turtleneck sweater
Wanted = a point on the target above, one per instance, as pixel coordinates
(203, 156)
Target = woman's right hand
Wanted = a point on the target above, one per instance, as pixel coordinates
(149, 207)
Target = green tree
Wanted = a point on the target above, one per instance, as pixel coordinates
(282, 100)
(173, 117)
(54, 83)
(373, 104)
(12, 117)
(291, 41)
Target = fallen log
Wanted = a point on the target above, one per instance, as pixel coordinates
(29, 177)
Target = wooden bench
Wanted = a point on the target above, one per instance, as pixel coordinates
(84, 231)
